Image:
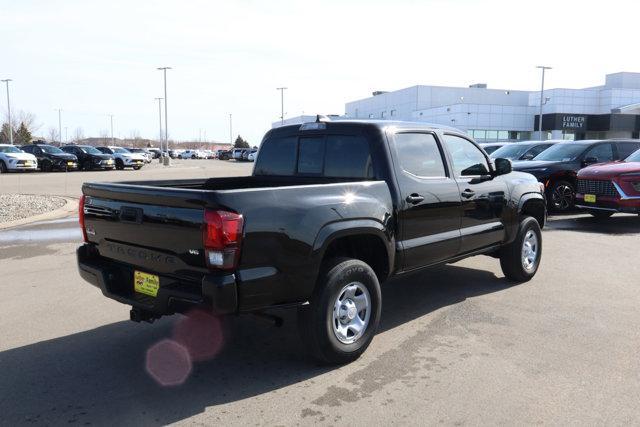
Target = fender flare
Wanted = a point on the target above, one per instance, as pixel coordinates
(353, 227)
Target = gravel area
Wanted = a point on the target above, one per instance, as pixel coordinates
(19, 206)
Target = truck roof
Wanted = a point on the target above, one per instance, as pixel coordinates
(381, 124)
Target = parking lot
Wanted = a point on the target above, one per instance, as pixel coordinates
(458, 344)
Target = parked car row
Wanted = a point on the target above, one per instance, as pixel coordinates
(599, 176)
(48, 158)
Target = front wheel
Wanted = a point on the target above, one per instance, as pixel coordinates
(119, 164)
(344, 312)
(3, 167)
(562, 196)
(520, 259)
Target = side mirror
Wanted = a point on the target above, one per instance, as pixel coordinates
(589, 161)
(503, 166)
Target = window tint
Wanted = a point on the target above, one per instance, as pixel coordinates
(603, 152)
(626, 148)
(467, 158)
(277, 157)
(538, 149)
(311, 154)
(347, 157)
(419, 154)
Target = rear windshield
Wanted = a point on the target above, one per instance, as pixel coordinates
(562, 152)
(335, 156)
(511, 151)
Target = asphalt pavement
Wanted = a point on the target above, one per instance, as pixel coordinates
(458, 345)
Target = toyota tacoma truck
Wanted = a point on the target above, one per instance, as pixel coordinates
(332, 210)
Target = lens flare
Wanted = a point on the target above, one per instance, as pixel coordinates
(168, 363)
(200, 332)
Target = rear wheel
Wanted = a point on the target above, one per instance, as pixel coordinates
(119, 164)
(562, 196)
(520, 259)
(344, 312)
(600, 214)
(137, 167)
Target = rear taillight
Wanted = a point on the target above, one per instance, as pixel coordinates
(81, 218)
(222, 236)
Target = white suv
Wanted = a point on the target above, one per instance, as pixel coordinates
(14, 159)
(124, 158)
(192, 154)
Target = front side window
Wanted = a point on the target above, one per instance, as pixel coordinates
(121, 150)
(626, 148)
(602, 152)
(419, 155)
(468, 160)
(51, 149)
(635, 157)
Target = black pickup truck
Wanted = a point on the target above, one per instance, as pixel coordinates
(332, 210)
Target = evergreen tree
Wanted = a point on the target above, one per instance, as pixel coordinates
(4, 134)
(240, 143)
(22, 136)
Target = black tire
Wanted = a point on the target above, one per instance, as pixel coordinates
(86, 165)
(600, 214)
(561, 196)
(3, 167)
(119, 164)
(193, 156)
(47, 166)
(137, 168)
(316, 320)
(512, 259)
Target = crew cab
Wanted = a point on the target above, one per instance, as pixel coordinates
(610, 187)
(332, 210)
(558, 166)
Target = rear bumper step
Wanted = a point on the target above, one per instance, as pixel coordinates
(115, 280)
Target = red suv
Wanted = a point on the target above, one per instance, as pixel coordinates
(608, 188)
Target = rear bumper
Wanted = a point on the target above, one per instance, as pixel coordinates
(608, 203)
(115, 280)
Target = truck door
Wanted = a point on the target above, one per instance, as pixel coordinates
(484, 198)
(430, 201)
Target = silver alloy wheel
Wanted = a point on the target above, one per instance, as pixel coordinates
(562, 197)
(530, 250)
(351, 313)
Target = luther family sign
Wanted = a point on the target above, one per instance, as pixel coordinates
(574, 122)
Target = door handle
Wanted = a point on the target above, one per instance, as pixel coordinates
(414, 198)
(468, 193)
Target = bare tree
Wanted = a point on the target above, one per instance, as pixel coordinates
(78, 134)
(52, 134)
(29, 120)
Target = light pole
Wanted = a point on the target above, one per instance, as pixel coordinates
(160, 125)
(66, 137)
(6, 81)
(113, 142)
(167, 160)
(59, 126)
(543, 68)
(231, 128)
(281, 89)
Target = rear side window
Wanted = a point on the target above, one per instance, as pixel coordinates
(419, 155)
(626, 148)
(347, 157)
(277, 157)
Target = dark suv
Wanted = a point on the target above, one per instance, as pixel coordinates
(557, 166)
(90, 158)
(51, 158)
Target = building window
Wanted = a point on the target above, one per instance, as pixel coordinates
(513, 134)
(356, 113)
(492, 135)
(479, 134)
(503, 135)
(393, 113)
(470, 132)
(382, 114)
(371, 115)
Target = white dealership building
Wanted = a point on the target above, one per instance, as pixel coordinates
(608, 111)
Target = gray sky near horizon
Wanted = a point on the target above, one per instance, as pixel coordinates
(93, 58)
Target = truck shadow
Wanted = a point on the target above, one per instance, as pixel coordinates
(99, 377)
(618, 224)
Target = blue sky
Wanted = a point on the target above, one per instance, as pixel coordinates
(93, 58)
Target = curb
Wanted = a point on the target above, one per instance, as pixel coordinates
(70, 207)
